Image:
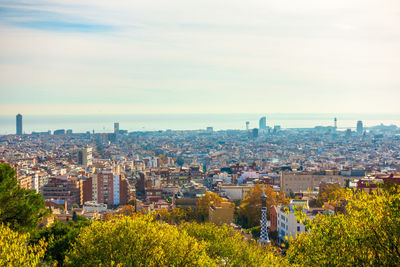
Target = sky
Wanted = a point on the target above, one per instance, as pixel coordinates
(209, 56)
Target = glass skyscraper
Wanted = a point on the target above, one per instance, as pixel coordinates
(19, 124)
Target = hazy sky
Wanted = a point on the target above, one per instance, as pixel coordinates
(208, 56)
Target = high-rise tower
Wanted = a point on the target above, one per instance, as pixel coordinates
(335, 123)
(85, 156)
(360, 127)
(247, 125)
(19, 124)
(116, 127)
(263, 123)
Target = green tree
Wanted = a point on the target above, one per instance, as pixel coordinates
(22, 209)
(61, 236)
(368, 234)
(136, 240)
(16, 251)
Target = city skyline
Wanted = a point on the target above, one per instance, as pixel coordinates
(66, 127)
(181, 57)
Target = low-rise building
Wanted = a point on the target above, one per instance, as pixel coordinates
(222, 213)
(234, 192)
(286, 221)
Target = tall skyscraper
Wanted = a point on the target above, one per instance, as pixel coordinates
(85, 156)
(263, 123)
(360, 128)
(247, 125)
(116, 127)
(19, 124)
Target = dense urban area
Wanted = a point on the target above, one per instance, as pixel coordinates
(252, 182)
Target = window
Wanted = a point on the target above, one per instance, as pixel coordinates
(298, 228)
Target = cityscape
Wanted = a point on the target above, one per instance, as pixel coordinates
(95, 175)
(208, 133)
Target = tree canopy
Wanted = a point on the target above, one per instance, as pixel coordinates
(60, 236)
(228, 247)
(203, 204)
(332, 193)
(22, 209)
(173, 216)
(367, 234)
(250, 207)
(16, 251)
(136, 241)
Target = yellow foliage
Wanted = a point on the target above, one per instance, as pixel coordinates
(15, 250)
(174, 216)
(204, 203)
(250, 207)
(367, 234)
(332, 194)
(229, 248)
(136, 241)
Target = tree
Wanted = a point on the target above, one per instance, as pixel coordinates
(136, 241)
(22, 209)
(174, 216)
(204, 203)
(60, 236)
(16, 251)
(127, 210)
(228, 247)
(332, 194)
(250, 207)
(368, 234)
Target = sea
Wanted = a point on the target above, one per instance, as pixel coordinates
(152, 122)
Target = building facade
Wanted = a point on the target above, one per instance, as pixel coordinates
(360, 128)
(303, 181)
(263, 123)
(106, 187)
(62, 190)
(287, 224)
(19, 124)
(85, 156)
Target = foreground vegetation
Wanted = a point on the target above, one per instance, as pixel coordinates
(367, 234)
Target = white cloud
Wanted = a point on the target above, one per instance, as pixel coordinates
(200, 56)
